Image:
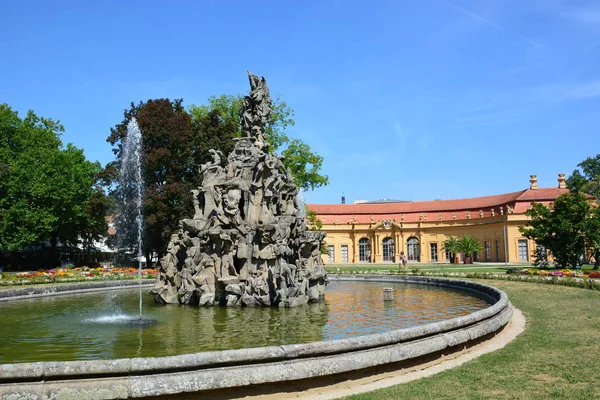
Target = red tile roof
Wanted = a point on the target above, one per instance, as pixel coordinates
(431, 211)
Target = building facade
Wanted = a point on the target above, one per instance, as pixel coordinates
(377, 232)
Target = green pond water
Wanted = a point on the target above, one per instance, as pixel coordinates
(93, 326)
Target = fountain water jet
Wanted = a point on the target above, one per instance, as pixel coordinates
(132, 187)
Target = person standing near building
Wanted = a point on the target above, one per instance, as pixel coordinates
(403, 261)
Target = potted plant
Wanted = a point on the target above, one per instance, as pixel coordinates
(468, 245)
(451, 245)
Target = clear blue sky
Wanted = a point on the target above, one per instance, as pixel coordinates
(404, 99)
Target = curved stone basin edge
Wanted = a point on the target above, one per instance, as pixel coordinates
(188, 373)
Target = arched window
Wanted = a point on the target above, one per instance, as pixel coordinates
(364, 250)
(412, 249)
(388, 249)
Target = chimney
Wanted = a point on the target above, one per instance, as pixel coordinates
(562, 184)
(533, 182)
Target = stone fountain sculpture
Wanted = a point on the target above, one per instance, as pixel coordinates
(248, 243)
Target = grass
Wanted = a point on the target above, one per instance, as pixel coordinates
(431, 267)
(557, 357)
(423, 267)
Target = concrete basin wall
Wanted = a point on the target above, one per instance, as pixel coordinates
(207, 371)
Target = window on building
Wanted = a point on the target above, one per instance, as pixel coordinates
(488, 250)
(344, 251)
(364, 250)
(448, 255)
(523, 254)
(497, 250)
(331, 254)
(433, 251)
(388, 249)
(412, 249)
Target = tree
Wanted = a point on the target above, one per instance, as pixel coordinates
(592, 234)
(451, 245)
(49, 193)
(298, 156)
(468, 245)
(313, 220)
(211, 131)
(588, 180)
(304, 165)
(168, 170)
(560, 227)
(230, 106)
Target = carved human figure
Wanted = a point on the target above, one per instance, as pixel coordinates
(256, 109)
(231, 202)
(227, 260)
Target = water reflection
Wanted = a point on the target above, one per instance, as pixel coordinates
(68, 328)
(357, 308)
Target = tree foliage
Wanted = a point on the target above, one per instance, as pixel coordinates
(49, 192)
(229, 107)
(313, 220)
(304, 164)
(588, 179)
(451, 245)
(168, 171)
(563, 227)
(468, 245)
(592, 233)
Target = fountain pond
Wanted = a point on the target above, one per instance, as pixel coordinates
(97, 325)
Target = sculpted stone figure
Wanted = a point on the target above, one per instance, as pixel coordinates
(247, 244)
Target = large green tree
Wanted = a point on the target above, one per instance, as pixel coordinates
(168, 172)
(592, 234)
(48, 192)
(304, 164)
(561, 227)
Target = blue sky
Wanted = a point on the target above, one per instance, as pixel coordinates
(413, 100)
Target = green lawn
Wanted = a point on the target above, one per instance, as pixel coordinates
(430, 267)
(423, 267)
(557, 357)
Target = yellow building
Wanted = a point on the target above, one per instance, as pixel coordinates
(377, 232)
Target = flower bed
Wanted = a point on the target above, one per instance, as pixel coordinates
(581, 279)
(559, 273)
(73, 275)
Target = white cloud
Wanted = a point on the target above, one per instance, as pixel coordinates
(583, 91)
